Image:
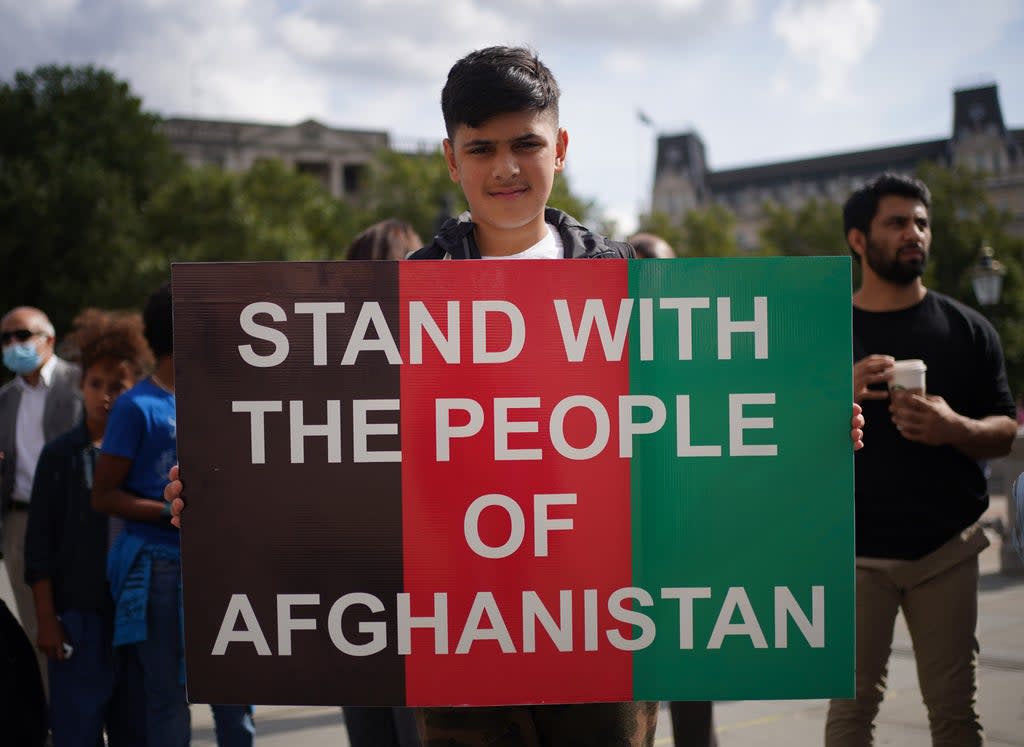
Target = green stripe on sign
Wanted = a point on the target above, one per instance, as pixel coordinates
(743, 500)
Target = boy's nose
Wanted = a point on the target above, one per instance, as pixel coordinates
(505, 168)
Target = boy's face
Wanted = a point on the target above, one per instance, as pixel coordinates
(102, 383)
(506, 168)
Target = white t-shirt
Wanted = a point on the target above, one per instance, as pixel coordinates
(28, 430)
(550, 247)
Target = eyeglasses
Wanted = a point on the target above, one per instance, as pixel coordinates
(21, 335)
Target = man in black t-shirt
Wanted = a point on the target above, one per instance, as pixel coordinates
(920, 486)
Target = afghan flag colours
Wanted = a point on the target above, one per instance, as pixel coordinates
(494, 482)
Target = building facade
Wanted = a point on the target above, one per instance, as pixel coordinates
(980, 140)
(338, 158)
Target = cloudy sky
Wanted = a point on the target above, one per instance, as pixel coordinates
(760, 80)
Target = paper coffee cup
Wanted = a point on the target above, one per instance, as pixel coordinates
(908, 374)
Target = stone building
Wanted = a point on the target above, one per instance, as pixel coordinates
(338, 158)
(980, 139)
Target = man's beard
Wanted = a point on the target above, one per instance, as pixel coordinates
(893, 270)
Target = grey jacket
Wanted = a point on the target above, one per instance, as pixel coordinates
(63, 409)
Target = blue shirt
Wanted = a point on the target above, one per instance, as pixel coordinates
(143, 427)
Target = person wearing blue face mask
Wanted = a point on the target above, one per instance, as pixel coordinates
(41, 402)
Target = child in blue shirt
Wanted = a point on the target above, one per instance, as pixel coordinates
(144, 567)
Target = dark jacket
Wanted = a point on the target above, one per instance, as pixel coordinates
(455, 240)
(66, 540)
(22, 702)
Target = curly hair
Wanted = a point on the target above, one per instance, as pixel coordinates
(114, 336)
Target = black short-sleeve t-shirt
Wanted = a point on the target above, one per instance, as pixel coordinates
(912, 498)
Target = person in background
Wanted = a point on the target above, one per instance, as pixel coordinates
(651, 246)
(393, 239)
(91, 690)
(693, 722)
(40, 403)
(144, 566)
(920, 483)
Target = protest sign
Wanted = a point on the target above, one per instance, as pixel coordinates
(440, 483)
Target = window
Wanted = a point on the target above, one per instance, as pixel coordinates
(352, 177)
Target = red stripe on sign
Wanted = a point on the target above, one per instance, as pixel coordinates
(473, 488)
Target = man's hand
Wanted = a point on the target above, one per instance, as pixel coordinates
(926, 419)
(871, 370)
(50, 637)
(172, 494)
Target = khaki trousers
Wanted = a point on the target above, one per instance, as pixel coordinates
(15, 524)
(939, 598)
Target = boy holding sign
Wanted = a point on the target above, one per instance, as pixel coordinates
(504, 146)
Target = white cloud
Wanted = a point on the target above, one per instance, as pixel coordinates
(833, 36)
(625, 62)
(758, 80)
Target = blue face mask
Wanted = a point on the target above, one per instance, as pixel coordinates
(21, 357)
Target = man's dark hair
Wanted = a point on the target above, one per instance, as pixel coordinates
(158, 322)
(862, 205)
(497, 80)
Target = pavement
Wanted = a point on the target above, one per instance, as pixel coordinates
(779, 723)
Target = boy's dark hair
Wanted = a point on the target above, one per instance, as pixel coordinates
(389, 239)
(862, 205)
(110, 336)
(497, 80)
(159, 322)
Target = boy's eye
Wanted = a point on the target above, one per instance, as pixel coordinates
(478, 149)
(528, 145)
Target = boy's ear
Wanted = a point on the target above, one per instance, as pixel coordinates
(449, 159)
(561, 147)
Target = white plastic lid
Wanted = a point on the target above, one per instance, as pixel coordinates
(910, 364)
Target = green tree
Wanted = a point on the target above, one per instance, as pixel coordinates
(563, 198)
(78, 161)
(267, 213)
(705, 232)
(813, 229)
(709, 232)
(963, 220)
(660, 224)
(414, 187)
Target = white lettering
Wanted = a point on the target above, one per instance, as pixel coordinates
(371, 314)
(471, 526)
(300, 431)
(257, 429)
(362, 430)
(239, 606)
(727, 328)
(247, 320)
(320, 312)
(518, 337)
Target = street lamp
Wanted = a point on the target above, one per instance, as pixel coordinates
(987, 277)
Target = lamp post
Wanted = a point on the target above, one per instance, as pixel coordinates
(987, 277)
(987, 281)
